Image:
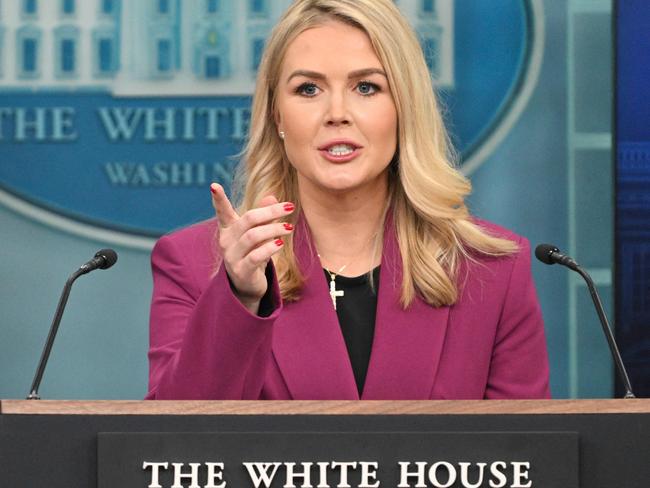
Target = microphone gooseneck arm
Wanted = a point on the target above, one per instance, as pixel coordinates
(45, 355)
(618, 361)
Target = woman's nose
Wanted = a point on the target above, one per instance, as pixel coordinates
(337, 111)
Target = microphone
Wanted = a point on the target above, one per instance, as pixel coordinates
(549, 254)
(103, 259)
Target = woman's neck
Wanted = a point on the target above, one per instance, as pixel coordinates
(345, 227)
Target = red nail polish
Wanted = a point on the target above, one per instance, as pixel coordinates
(213, 190)
(279, 242)
(289, 207)
(288, 226)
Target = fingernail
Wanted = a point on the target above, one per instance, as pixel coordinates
(288, 226)
(212, 189)
(279, 242)
(289, 207)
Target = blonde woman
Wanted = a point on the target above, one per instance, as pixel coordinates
(352, 268)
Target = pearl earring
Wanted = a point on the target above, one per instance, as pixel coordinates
(281, 134)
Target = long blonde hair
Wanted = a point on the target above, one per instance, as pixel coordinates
(433, 227)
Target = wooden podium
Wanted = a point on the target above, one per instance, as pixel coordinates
(54, 443)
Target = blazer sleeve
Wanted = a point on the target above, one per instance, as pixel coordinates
(519, 366)
(204, 344)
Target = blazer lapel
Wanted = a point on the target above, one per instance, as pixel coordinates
(408, 343)
(307, 342)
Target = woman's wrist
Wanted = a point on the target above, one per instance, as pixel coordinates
(250, 304)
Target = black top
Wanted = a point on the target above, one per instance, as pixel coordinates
(356, 311)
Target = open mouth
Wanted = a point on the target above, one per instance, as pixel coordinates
(341, 150)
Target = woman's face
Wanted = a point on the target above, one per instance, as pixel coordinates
(336, 110)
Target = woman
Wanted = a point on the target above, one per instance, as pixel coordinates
(352, 268)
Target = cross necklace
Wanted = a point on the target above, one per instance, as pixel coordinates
(334, 293)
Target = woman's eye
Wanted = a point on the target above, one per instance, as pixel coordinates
(307, 89)
(367, 88)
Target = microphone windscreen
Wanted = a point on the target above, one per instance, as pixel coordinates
(109, 256)
(543, 253)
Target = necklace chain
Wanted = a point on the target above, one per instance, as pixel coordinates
(334, 293)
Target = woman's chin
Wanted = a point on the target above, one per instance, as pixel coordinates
(342, 186)
(343, 183)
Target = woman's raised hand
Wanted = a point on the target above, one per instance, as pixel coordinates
(247, 243)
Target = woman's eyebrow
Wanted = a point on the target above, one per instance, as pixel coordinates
(353, 74)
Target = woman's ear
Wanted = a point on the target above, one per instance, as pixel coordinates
(278, 124)
(278, 120)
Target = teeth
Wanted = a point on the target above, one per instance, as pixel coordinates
(340, 150)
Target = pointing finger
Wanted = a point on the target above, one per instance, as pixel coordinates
(226, 214)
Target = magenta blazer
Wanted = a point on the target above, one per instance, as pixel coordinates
(205, 345)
